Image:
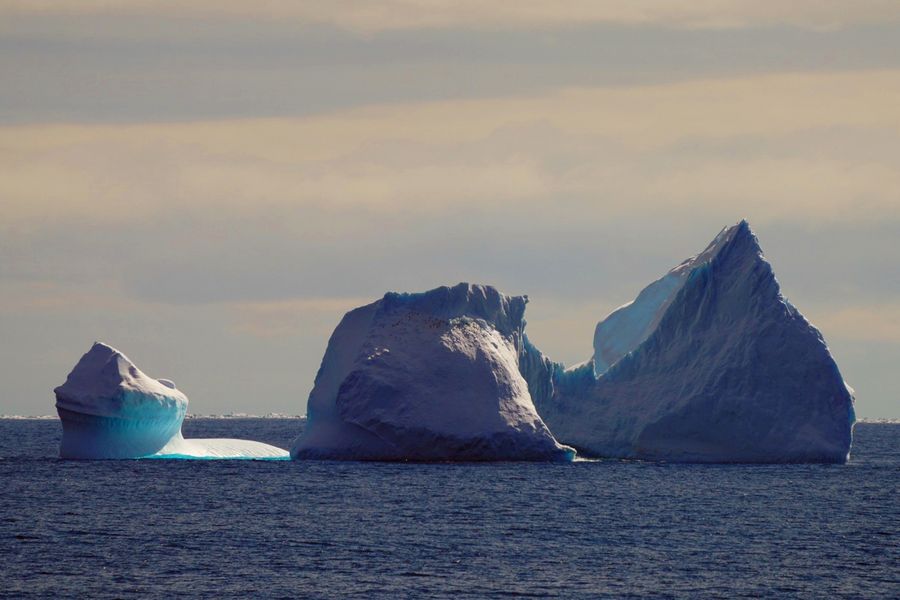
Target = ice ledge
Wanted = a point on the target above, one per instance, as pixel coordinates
(219, 449)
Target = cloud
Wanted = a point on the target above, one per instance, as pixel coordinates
(772, 145)
(290, 318)
(158, 66)
(20, 298)
(370, 16)
(867, 323)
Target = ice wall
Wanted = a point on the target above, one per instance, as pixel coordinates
(430, 376)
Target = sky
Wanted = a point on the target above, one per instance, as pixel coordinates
(210, 187)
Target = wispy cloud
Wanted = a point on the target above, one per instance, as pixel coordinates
(369, 16)
(290, 318)
(780, 153)
(866, 323)
(18, 298)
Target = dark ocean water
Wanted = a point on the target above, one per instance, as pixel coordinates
(319, 529)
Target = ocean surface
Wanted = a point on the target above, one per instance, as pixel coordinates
(283, 529)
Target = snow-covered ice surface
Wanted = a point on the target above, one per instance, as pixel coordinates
(709, 364)
(218, 448)
(110, 409)
(429, 377)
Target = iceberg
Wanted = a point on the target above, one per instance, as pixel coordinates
(110, 409)
(427, 377)
(710, 363)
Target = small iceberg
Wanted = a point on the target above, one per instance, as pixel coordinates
(110, 409)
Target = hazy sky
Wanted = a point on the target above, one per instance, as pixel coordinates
(210, 188)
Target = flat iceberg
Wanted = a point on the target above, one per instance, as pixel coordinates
(110, 409)
(710, 363)
(427, 377)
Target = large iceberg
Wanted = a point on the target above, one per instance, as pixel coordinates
(428, 377)
(110, 409)
(710, 363)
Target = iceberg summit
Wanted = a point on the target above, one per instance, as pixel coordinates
(427, 377)
(710, 363)
(110, 409)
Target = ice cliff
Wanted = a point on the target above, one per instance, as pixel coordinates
(429, 377)
(110, 409)
(710, 363)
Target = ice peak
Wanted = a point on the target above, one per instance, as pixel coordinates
(463, 300)
(104, 359)
(709, 363)
(103, 347)
(741, 235)
(461, 292)
(101, 374)
(738, 236)
(628, 326)
(102, 351)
